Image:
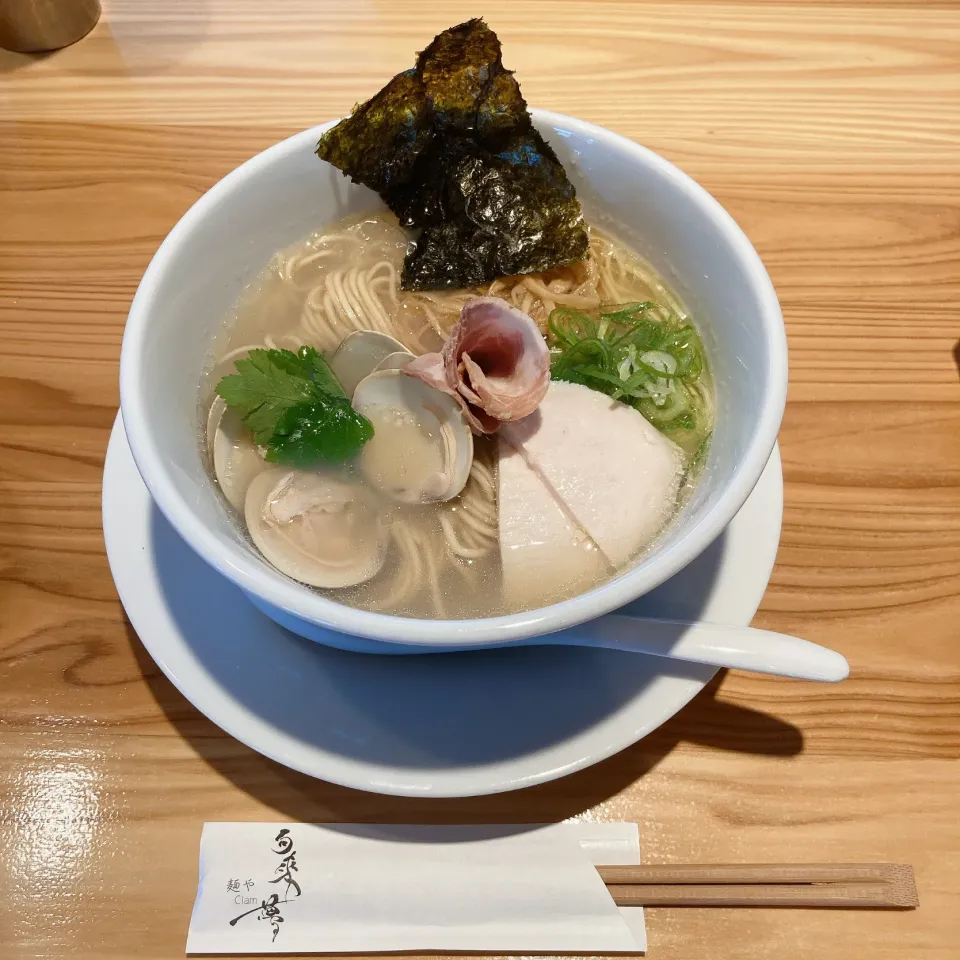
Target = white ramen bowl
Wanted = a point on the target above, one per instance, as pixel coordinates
(285, 193)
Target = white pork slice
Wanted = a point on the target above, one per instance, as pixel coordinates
(545, 554)
(615, 473)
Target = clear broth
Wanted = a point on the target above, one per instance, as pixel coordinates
(346, 278)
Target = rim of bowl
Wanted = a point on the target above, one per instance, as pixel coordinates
(298, 600)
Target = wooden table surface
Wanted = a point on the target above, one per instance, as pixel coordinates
(830, 130)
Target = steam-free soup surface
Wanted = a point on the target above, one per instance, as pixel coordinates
(524, 530)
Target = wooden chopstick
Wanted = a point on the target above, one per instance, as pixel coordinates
(889, 885)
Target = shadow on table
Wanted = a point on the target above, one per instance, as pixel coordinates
(11, 60)
(230, 647)
(707, 721)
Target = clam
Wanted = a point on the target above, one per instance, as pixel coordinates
(422, 448)
(359, 354)
(394, 361)
(236, 460)
(315, 528)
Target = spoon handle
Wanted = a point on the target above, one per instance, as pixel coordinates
(742, 648)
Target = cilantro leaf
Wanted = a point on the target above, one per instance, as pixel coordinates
(325, 431)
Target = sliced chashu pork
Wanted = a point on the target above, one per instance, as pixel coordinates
(600, 464)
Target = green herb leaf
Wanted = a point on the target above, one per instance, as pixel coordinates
(324, 431)
(293, 405)
(318, 370)
(267, 384)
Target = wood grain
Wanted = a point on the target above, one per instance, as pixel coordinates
(888, 885)
(830, 130)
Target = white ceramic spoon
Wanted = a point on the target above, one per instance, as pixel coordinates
(742, 648)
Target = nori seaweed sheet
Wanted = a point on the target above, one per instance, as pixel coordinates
(450, 147)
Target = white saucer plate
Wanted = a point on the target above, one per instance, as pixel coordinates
(443, 725)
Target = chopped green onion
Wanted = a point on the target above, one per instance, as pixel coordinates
(626, 312)
(676, 404)
(640, 354)
(586, 350)
(568, 326)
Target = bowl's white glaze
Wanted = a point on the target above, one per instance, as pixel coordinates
(435, 726)
(283, 194)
